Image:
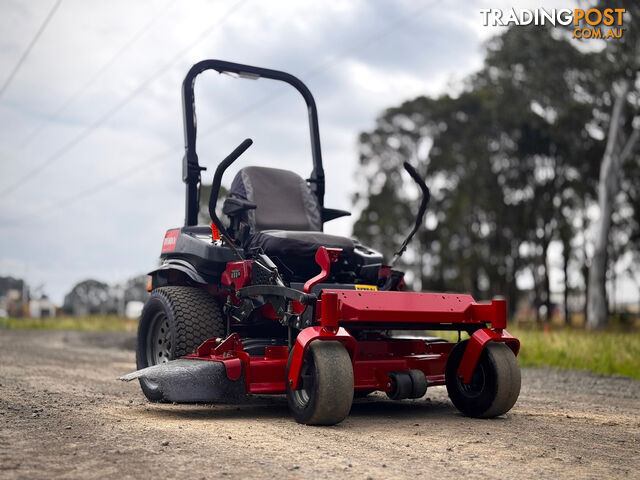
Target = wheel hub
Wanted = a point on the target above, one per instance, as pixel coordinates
(159, 340)
(476, 385)
(303, 394)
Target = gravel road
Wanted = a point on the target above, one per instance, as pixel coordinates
(63, 415)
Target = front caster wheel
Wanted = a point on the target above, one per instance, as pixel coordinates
(326, 391)
(494, 387)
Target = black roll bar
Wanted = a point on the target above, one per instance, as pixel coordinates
(191, 168)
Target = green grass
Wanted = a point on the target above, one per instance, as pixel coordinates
(107, 323)
(607, 352)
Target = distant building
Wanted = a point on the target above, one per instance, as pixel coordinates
(133, 309)
(94, 297)
(90, 297)
(13, 296)
(43, 308)
(14, 303)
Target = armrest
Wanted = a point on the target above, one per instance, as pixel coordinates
(233, 206)
(333, 213)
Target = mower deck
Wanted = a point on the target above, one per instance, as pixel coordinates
(373, 360)
(372, 364)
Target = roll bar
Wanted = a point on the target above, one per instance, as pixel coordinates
(190, 166)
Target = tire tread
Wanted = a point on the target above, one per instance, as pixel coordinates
(198, 316)
(333, 390)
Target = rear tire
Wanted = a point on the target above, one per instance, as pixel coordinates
(328, 394)
(494, 387)
(174, 322)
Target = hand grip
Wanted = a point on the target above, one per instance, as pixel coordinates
(416, 178)
(426, 195)
(217, 177)
(215, 190)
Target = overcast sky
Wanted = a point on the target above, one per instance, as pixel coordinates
(108, 180)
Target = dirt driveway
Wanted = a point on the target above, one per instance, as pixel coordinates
(63, 415)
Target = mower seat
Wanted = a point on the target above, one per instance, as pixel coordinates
(283, 200)
(287, 221)
(295, 251)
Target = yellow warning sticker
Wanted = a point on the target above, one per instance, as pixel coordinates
(366, 287)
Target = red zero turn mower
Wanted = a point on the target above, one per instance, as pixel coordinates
(272, 305)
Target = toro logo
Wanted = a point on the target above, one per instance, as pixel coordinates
(170, 239)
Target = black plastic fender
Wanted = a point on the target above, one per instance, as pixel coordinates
(192, 381)
(180, 266)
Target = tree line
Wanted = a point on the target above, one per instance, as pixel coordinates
(539, 147)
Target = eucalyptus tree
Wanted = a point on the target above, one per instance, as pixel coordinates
(620, 67)
(509, 160)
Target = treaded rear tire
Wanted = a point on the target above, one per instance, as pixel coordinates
(192, 314)
(331, 395)
(495, 385)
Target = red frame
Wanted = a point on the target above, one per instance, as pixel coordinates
(373, 360)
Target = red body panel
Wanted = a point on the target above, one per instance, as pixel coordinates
(410, 307)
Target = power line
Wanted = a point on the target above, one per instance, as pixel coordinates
(142, 166)
(34, 40)
(107, 115)
(88, 192)
(126, 46)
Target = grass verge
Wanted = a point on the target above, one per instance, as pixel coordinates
(107, 323)
(607, 352)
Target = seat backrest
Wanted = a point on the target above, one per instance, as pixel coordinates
(284, 200)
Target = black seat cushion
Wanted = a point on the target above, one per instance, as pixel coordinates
(284, 200)
(296, 250)
(287, 221)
